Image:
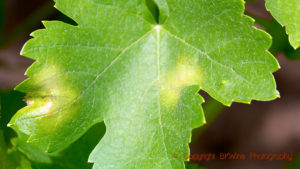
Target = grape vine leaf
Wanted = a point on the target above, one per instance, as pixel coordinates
(287, 13)
(140, 77)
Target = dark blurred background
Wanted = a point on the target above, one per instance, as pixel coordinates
(262, 127)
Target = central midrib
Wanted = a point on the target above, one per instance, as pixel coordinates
(158, 27)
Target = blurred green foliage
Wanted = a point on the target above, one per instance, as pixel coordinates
(11, 159)
(295, 164)
(75, 156)
(11, 102)
(1, 16)
(192, 166)
(280, 41)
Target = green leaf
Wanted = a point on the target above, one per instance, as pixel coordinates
(74, 157)
(11, 159)
(10, 103)
(295, 164)
(280, 41)
(2, 11)
(142, 79)
(287, 13)
(192, 166)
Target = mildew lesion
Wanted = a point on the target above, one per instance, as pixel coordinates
(51, 100)
(184, 74)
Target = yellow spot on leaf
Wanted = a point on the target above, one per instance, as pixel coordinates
(185, 74)
(51, 100)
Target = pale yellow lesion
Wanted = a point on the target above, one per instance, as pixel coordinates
(51, 99)
(41, 107)
(186, 73)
